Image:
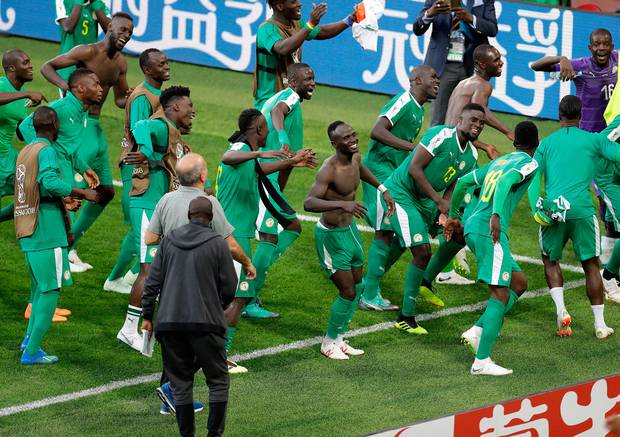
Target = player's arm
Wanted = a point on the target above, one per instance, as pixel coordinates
(381, 132)
(143, 134)
(534, 192)
(334, 29)
(463, 185)
(548, 64)
(34, 96)
(68, 22)
(101, 14)
(481, 97)
(153, 233)
(53, 185)
(505, 183)
(421, 159)
(239, 255)
(140, 109)
(121, 88)
(286, 46)
(49, 70)
(367, 176)
(316, 202)
(236, 157)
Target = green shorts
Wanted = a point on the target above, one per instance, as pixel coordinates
(611, 197)
(140, 219)
(413, 221)
(245, 288)
(338, 248)
(7, 172)
(583, 232)
(126, 171)
(495, 262)
(93, 150)
(266, 222)
(49, 268)
(374, 207)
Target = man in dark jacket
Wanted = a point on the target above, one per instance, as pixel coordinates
(194, 276)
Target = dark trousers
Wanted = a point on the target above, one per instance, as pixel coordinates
(184, 353)
(453, 73)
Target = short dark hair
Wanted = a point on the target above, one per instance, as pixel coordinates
(121, 14)
(333, 126)
(76, 75)
(600, 31)
(145, 57)
(296, 67)
(43, 118)
(273, 3)
(246, 120)
(570, 107)
(169, 95)
(526, 135)
(472, 107)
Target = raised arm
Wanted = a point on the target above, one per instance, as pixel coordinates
(286, 46)
(68, 22)
(334, 29)
(101, 14)
(72, 57)
(548, 63)
(381, 132)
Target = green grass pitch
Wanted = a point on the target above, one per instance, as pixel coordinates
(401, 379)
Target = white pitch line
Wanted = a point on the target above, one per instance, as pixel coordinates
(115, 385)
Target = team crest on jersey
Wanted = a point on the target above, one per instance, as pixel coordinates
(78, 178)
(462, 165)
(180, 151)
(269, 222)
(152, 251)
(505, 276)
(467, 198)
(244, 286)
(417, 238)
(20, 175)
(67, 275)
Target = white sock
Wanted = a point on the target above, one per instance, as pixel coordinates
(557, 294)
(599, 319)
(478, 364)
(132, 319)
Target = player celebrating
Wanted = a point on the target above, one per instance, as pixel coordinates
(236, 188)
(40, 219)
(338, 244)
(160, 146)
(141, 104)
(392, 136)
(14, 100)
(279, 41)
(503, 182)
(285, 124)
(422, 186)
(108, 63)
(571, 150)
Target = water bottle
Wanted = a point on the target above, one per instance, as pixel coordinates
(555, 75)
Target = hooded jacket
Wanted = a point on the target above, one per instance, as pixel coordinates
(194, 276)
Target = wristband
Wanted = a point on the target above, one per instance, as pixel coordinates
(348, 20)
(283, 137)
(382, 188)
(309, 26)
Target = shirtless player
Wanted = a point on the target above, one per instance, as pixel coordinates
(108, 63)
(338, 243)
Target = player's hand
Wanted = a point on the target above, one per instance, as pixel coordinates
(566, 69)
(304, 158)
(250, 271)
(133, 158)
(318, 11)
(442, 219)
(443, 205)
(491, 151)
(91, 178)
(463, 15)
(389, 203)
(36, 98)
(71, 203)
(510, 135)
(495, 228)
(357, 209)
(275, 154)
(439, 7)
(613, 424)
(147, 325)
(452, 227)
(92, 195)
(209, 191)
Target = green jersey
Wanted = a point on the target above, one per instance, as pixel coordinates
(50, 231)
(236, 187)
(10, 115)
(450, 161)
(267, 60)
(406, 116)
(488, 177)
(608, 172)
(141, 108)
(152, 137)
(568, 160)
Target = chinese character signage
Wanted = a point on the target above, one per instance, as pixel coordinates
(221, 33)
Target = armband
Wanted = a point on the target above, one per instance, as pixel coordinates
(382, 188)
(309, 26)
(348, 20)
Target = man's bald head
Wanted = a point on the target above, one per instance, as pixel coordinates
(201, 210)
(12, 57)
(191, 170)
(45, 122)
(421, 72)
(484, 53)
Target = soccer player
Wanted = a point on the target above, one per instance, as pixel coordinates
(160, 146)
(392, 137)
(108, 63)
(502, 183)
(337, 240)
(236, 187)
(285, 124)
(279, 41)
(14, 100)
(141, 104)
(78, 21)
(422, 187)
(576, 152)
(41, 198)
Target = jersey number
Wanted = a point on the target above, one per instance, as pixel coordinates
(608, 90)
(85, 27)
(490, 182)
(449, 174)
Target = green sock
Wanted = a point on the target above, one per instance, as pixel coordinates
(359, 289)
(6, 213)
(377, 257)
(230, 334)
(125, 255)
(613, 265)
(44, 311)
(338, 317)
(262, 261)
(87, 217)
(34, 297)
(413, 279)
(396, 251)
(493, 319)
(442, 259)
(512, 299)
(285, 239)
